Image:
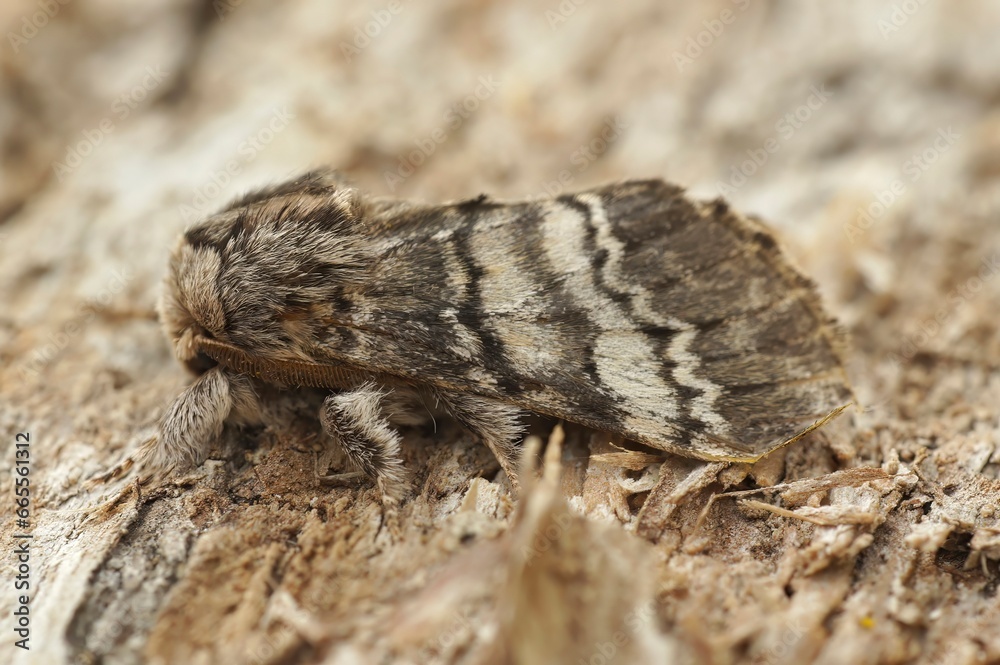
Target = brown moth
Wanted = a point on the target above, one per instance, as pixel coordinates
(627, 308)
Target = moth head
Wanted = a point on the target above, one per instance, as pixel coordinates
(191, 305)
(260, 275)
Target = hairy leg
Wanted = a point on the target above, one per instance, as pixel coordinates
(355, 419)
(495, 423)
(195, 419)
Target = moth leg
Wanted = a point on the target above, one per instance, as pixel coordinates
(195, 419)
(186, 430)
(495, 423)
(355, 420)
(335, 477)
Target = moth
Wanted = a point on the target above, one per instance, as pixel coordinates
(627, 308)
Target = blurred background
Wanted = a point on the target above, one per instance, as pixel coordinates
(868, 133)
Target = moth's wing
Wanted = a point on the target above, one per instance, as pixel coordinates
(754, 357)
(627, 308)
